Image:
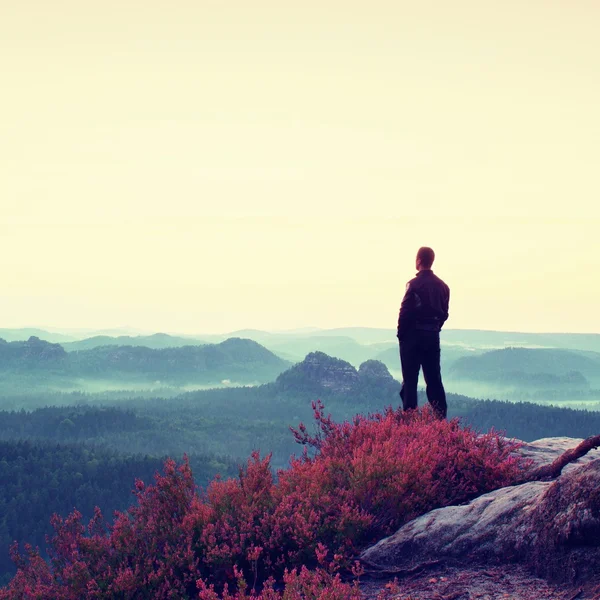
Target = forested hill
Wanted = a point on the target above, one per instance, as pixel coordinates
(235, 421)
(529, 360)
(533, 366)
(38, 479)
(321, 374)
(232, 359)
(32, 354)
(502, 339)
(39, 363)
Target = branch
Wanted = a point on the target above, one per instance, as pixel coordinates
(555, 468)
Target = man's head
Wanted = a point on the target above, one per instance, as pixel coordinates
(425, 258)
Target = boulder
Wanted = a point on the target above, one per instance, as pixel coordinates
(466, 532)
(553, 526)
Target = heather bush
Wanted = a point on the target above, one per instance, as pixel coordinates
(395, 466)
(287, 536)
(298, 584)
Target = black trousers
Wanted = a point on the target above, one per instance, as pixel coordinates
(422, 349)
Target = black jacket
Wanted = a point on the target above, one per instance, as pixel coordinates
(425, 304)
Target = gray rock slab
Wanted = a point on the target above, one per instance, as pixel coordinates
(455, 531)
(507, 524)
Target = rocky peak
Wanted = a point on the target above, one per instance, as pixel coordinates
(33, 351)
(43, 350)
(319, 371)
(375, 369)
(332, 373)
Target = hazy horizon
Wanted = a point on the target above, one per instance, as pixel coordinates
(134, 331)
(215, 166)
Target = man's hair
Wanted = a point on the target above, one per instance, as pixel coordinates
(426, 256)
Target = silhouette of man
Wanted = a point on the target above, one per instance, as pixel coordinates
(423, 312)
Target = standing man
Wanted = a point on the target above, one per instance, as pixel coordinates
(423, 311)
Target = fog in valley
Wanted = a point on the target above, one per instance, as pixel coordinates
(549, 369)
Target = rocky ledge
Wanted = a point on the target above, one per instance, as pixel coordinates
(548, 529)
(326, 375)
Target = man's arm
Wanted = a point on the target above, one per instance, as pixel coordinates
(445, 306)
(408, 309)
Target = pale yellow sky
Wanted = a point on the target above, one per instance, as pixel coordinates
(205, 166)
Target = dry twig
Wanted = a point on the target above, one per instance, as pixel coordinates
(554, 469)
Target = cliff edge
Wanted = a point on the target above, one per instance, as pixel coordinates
(537, 540)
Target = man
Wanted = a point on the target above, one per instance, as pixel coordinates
(423, 312)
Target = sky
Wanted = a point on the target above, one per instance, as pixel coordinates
(205, 166)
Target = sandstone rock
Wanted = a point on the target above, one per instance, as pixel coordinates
(331, 373)
(318, 371)
(463, 532)
(554, 526)
(375, 369)
(327, 376)
(560, 536)
(33, 352)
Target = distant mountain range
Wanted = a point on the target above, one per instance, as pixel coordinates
(24, 333)
(449, 355)
(39, 363)
(477, 363)
(155, 341)
(530, 361)
(504, 339)
(363, 336)
(470, 338)
(530, 366)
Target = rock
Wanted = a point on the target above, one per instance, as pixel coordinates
(33, 353)
(463, 532)
(321, 371)
(546, 450)
(548, 525)
(324, 375)
(560, 535)
(375, 369)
